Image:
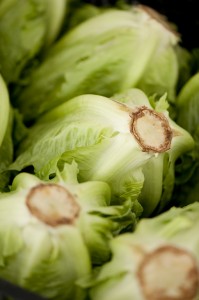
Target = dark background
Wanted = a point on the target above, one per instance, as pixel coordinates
(185, 14)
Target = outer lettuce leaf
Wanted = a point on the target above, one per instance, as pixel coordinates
(161, 74)
(43, 262)
(56, 13)
(19, 128)
(187, 187)
(6, 125)
(5, 108)
(80, 12)
(185, 58)
(186, 193)
(195, 60)
(187, 104)
(183, 144)
(113, 19)
(6, 155)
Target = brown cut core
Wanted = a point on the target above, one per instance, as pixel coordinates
(169, 273)
(151, 130)
(52, 204)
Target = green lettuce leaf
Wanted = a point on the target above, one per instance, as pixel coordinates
(6, 126)
(187, 171)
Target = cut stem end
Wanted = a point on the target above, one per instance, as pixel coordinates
(151, 130)
(52, 204)
(168, 273)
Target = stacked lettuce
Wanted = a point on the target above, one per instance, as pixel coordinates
(104, 133)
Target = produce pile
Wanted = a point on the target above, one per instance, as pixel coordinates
(99, 152)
